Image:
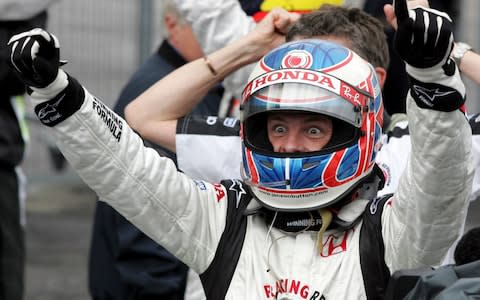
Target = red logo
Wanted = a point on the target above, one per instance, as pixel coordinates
(219, 191)
(334, 245)
(311, 77)
(297, 59)
(283, 286)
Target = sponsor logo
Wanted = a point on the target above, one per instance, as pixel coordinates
(335, 244)
(237, 187)
(211, 120)
(310, 77)
(293, 194)
(428, 96)
(292, 75)
(49, 112)
(305, 223)
(219, 191)
(297, 59)
(291, 289)
(201, 185)
(113, 122)
(230, 122)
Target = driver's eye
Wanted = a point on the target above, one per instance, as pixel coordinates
(314, 131)
(279, 129)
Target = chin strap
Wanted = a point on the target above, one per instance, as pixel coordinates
(343, 214)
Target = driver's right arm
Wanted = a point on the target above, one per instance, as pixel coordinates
(186, 217)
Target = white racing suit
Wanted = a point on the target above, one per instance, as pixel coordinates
(201, 140)
(240, 256)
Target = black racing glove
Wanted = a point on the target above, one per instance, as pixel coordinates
(424, 37)
(424, 40)
(35, 57)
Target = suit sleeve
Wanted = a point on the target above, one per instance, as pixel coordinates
(186, 217)
(429, 207)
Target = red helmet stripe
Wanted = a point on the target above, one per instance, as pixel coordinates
(370, 141)
(329, 175)
(339, 65)
(252, 166)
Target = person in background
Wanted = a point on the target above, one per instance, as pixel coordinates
(467, 60)
(15, 16)
(468, 247)
(124, 263)
(458, 280)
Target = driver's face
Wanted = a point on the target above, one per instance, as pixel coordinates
(298, 132)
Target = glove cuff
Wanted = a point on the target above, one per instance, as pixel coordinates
(432, 88)
(59, 100)
(39, 95)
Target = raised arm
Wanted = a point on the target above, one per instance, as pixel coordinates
(428, 208)
(154, 113)
(144, 187)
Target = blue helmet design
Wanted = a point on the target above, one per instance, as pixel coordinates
(317, 78)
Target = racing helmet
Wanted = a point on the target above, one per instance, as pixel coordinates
(311, 77)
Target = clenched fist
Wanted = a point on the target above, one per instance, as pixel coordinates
(35, 57)
(424, 36)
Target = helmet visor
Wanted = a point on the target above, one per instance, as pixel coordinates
(307, 98)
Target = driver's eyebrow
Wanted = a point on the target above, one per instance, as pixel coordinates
(308, 117)
(315, 118)
(276, 117)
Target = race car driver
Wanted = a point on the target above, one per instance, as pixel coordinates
(296, 227)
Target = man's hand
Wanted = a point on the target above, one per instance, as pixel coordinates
(424, 40)
(35, 57)
(424, 36)
(271, 31)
